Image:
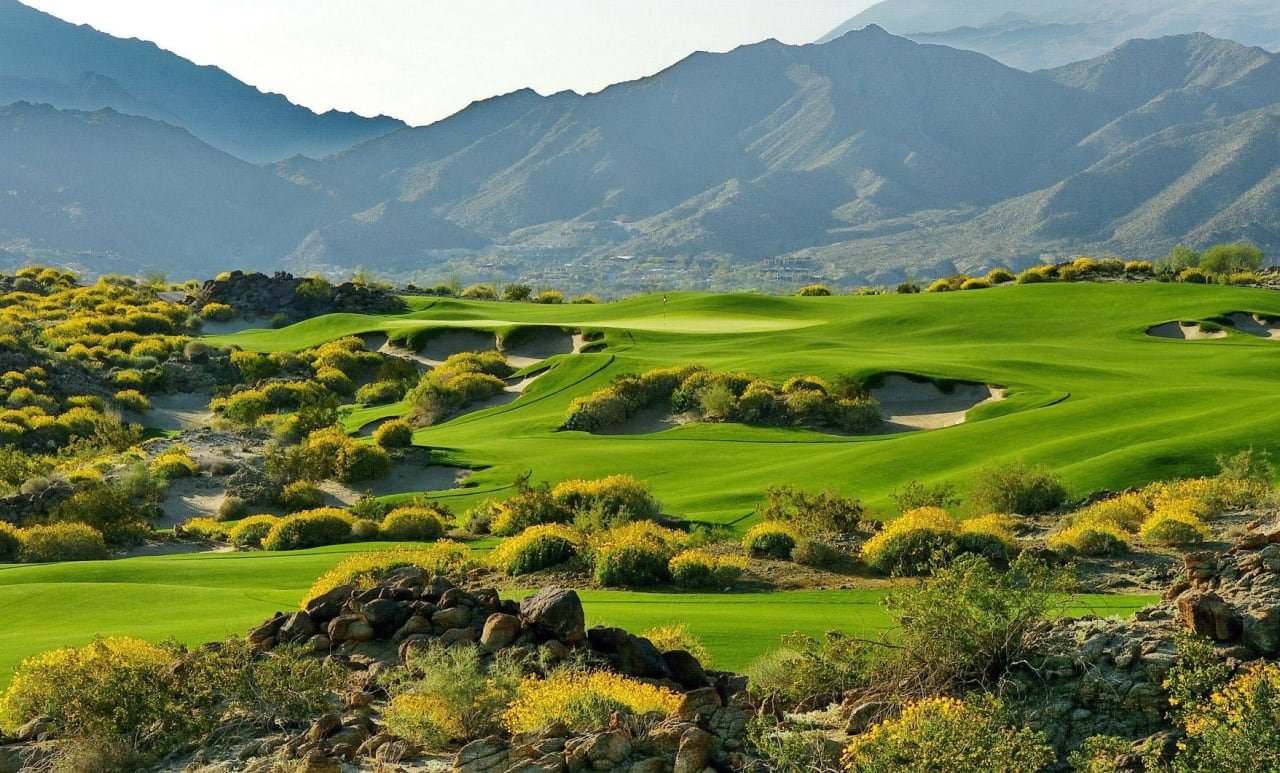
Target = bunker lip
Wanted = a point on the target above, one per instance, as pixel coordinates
(1184, 331)
(908, 403)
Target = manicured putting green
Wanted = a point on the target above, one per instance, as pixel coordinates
(204, 597)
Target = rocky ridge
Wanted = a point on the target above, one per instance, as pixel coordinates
(257, 295)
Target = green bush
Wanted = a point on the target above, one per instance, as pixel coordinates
(449, 694)
(815, 553)
(218, 312)
(1017, 488)
(360, 462)
(300, 495)
(770, 539)
(233, 508)
(60, 542)
(132, 400)
(813, 291)
(412, 524)
(702, 569)
(811, 514)
(634, 564)
(394, 434)
(250, 532)
(310, 529)
(1090, 539)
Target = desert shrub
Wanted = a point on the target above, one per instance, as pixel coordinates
(944, 734)
(60, 541)
(1017, 488)
(550, 297)
(417, 524)
(531, 507)
(335, 381)
(1090, 539)
(479, 292)
(244, 407)
(993, 536)
(366, 530)
(633, 563)
(703, 569)
(394, 434)
(251, 531)
(811, 514)
(677, 636)
(310, 529)
(815, 553)
(132, 400)
(1173, 527)
(939, 286)
(812, 291)
(218, 312)
(915, 494)
(912, 542)
(584, 298)
(233, 508)
(10, 540)
(365, 570)
(537, 547)
(770, 539)
(1237, 727)
(206, 528)
(620, 498)
(584, 701)
(1101, 754)
(805, 667)
(300, 495)
(114, 688)
(450, 694)
(975, 284)
(361, 461)
(1139, 267)
(1032, 276)
(967, 624)
(1194, 275)
(998, 276)
(173, 464)
(109, 510)
(381, 392)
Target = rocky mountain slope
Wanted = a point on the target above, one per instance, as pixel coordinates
(46, 60)
(870, 154)
(1049, 33)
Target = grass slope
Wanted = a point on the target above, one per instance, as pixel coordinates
(1091, 394)
(204, 597)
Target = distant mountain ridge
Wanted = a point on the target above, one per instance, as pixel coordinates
(1039, 34)
(870, 155)
(46, 60)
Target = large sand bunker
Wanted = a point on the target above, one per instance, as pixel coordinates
(1255, 325)
(530, 346)
(445, 343)
(907, 404)
(1185, 331)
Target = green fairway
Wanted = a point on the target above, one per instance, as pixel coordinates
(1090, 393)
(203, 597)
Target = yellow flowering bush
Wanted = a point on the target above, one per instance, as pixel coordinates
(1127, 511)
(449, 694)
(537, 547)
(363, 570)
(310, 529)
(174, 463)
(60, 542)
(112, 687)
(1090, 539)
(677, 636)
(619, 498)
(207, 528)
(249, 532)
(413, 523)
(948, 734)
(1173, 526)
(770, 539)
(1238, 728)
(583, 701)
(636, 554)
(703, 569)
(909, 544)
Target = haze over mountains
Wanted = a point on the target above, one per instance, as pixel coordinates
(869, 156)
(1036, 34)
(46, 60)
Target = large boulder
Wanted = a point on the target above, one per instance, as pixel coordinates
(1207, 614)
(555, 613)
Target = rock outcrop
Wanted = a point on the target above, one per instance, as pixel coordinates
(259, 295)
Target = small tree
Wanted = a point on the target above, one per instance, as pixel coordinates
(516, 292)
(1226, 259)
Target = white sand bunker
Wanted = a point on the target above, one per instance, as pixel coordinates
(907, 404)
(1184, 331)
(1255, 325)
(534, 346)
(405, 478)
(197, 497)
(178, 411)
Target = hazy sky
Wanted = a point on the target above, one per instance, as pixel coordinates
(421, 60)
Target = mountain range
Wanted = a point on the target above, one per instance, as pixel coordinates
(867, 157)
(1039, 34)
(46, 60)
